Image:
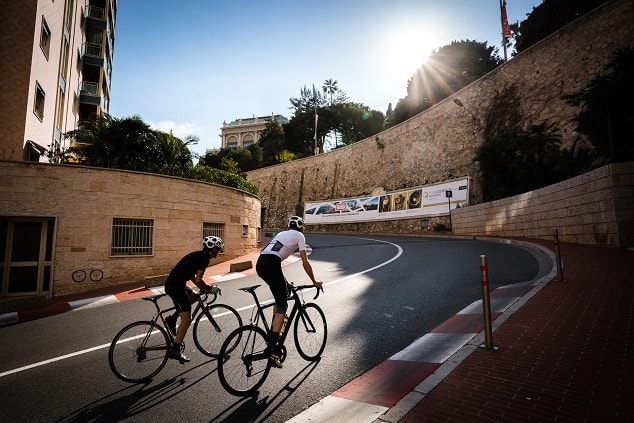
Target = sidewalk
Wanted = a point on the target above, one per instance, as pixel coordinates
(567, 355)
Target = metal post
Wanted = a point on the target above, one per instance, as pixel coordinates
(486, 306)
(560, 271)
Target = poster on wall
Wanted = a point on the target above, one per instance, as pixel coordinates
(430, 200)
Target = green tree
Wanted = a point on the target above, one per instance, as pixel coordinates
(245, 159)
(330, 88)
(548, 17)
(129, 143)
(221, 177)
(447, 70)
(520, 161)
(356, 122)
(176, 157)
(272, 143)
(126, 143)
(606, 116)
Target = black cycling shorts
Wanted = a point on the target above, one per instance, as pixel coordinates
(179, 293)
(269, 268)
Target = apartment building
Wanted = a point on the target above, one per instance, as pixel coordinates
(244, 132)
(56, 67)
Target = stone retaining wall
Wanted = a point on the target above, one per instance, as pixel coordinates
(595, 208)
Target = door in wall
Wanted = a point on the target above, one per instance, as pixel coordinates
(26, 255)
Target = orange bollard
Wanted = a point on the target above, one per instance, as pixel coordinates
(486, 306)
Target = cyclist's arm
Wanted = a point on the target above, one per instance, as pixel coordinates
(309, 269)
(198, 280)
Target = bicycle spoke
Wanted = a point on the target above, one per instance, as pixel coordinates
(244, 370)
(138, 352)
(212, 326)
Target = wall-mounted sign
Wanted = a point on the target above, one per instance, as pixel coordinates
(429, 200)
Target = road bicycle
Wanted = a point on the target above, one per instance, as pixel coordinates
(244, 363)
(140, 350)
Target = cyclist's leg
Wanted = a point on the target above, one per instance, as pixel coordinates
(269, 268)
(180, 297)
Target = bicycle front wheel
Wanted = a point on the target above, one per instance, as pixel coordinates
(311, 331)
(138, 352)
(209, 333)
(243, 370)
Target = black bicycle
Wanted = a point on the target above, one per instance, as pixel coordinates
(244, 364)
(139, 351)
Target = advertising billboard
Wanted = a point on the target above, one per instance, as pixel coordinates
(429, 200)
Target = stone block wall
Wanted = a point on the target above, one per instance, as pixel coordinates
(595, 208)
(441, 142)
(83, 201)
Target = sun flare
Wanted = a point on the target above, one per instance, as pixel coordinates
(407, 49)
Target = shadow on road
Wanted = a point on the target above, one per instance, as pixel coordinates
(253, 408)
(134, 399)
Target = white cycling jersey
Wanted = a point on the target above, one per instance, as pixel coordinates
(286, 243)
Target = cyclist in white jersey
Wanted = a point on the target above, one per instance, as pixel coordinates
(269, 268)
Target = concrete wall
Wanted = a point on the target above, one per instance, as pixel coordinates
(440, 143)
(84, 201)
(594, 208)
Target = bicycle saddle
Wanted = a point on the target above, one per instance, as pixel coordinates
(249, 288)
(154, 298)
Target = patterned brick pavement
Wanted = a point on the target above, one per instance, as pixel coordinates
(566, 356)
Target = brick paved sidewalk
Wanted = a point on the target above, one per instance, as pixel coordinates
(567, 355)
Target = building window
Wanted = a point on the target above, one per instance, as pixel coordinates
(245, 231)
(38, 106)
(214, 229)
(232, 141)
(45, 38)
(132, 237)
(247, 140)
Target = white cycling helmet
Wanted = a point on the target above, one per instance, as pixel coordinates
(296, 222)
(213, 241)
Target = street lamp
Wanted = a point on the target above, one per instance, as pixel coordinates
(474, 120)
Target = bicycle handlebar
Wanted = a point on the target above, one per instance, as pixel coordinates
(300, 287)
(205, 295)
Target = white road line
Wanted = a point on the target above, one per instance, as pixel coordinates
(99, 347)
(52, 360)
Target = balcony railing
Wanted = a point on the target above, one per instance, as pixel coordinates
(91, 49)
(95, 12)
(89, 88)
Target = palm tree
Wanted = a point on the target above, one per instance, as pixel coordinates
(330, 88)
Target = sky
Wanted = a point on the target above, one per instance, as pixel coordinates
(188, 66)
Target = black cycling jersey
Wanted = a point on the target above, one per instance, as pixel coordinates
(187, 267)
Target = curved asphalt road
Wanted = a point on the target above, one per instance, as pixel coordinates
(381, 294)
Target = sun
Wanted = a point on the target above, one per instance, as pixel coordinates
(407, 49)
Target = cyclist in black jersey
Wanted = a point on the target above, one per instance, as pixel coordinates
(269, 268)
(191, 267)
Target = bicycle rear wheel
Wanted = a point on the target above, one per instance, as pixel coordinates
(138, 352)
(209, 338)
(244, 370)
(311, 331)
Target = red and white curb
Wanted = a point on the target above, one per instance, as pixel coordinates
(387, 392)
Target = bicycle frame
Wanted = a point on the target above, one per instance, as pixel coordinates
(258, 314)
(201, 304)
